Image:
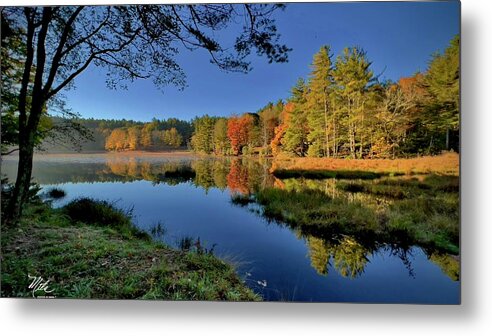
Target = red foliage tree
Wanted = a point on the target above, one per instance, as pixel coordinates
(238, 132)
(413, 86)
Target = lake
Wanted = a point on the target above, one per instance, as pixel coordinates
(190, 196)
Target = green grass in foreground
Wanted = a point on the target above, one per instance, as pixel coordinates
(90, 249)
(423, 213)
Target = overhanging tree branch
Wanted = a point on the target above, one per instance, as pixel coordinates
(86, 38)
(10, 151)
(55, 63)
(89, 61)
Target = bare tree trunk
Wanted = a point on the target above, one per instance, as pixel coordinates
(265, 140)
(361, 135)
(447, 138)
(327, 146)
(334, 135)
(360, 147)
(352, 140)
(351, 130)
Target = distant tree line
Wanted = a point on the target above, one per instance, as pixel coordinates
(155, 135)
(340, 110)
(343, 110)
(127, 135)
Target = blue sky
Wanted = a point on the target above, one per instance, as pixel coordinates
(398, 37)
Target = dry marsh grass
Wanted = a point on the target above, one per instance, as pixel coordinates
(447, 163)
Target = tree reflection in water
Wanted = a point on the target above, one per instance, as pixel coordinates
(347, 254)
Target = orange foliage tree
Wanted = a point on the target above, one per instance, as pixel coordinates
(238, 132)
(117, 140)
(276, 142)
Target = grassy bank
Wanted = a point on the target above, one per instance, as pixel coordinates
(91, 249)
(416, 211)
(447, 163)
(323, 174)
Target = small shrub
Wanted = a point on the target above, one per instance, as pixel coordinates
(56, 193)
(103, 213)
(92, 211)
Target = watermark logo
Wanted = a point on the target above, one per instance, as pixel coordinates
(38, 284)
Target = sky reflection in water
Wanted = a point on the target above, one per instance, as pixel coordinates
(192, 198)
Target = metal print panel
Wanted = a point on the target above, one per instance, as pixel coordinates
(240, 152)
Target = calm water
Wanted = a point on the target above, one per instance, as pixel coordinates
(191, 197)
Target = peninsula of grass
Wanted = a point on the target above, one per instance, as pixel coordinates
(424, 213)
(91, 249)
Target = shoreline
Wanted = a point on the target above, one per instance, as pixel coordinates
(124, 153)
(110, 155)
(446, 163)
(113, 260)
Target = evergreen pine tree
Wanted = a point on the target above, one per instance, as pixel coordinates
(295, 137)
(352, 76)
(318, 104)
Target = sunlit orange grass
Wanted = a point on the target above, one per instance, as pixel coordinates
(278, 183)
(447, 163)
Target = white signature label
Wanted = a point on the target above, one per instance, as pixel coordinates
(39, 284)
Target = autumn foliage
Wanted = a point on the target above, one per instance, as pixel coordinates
(340, 111)
(447, 163)
(238, 132)
(280, 129)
